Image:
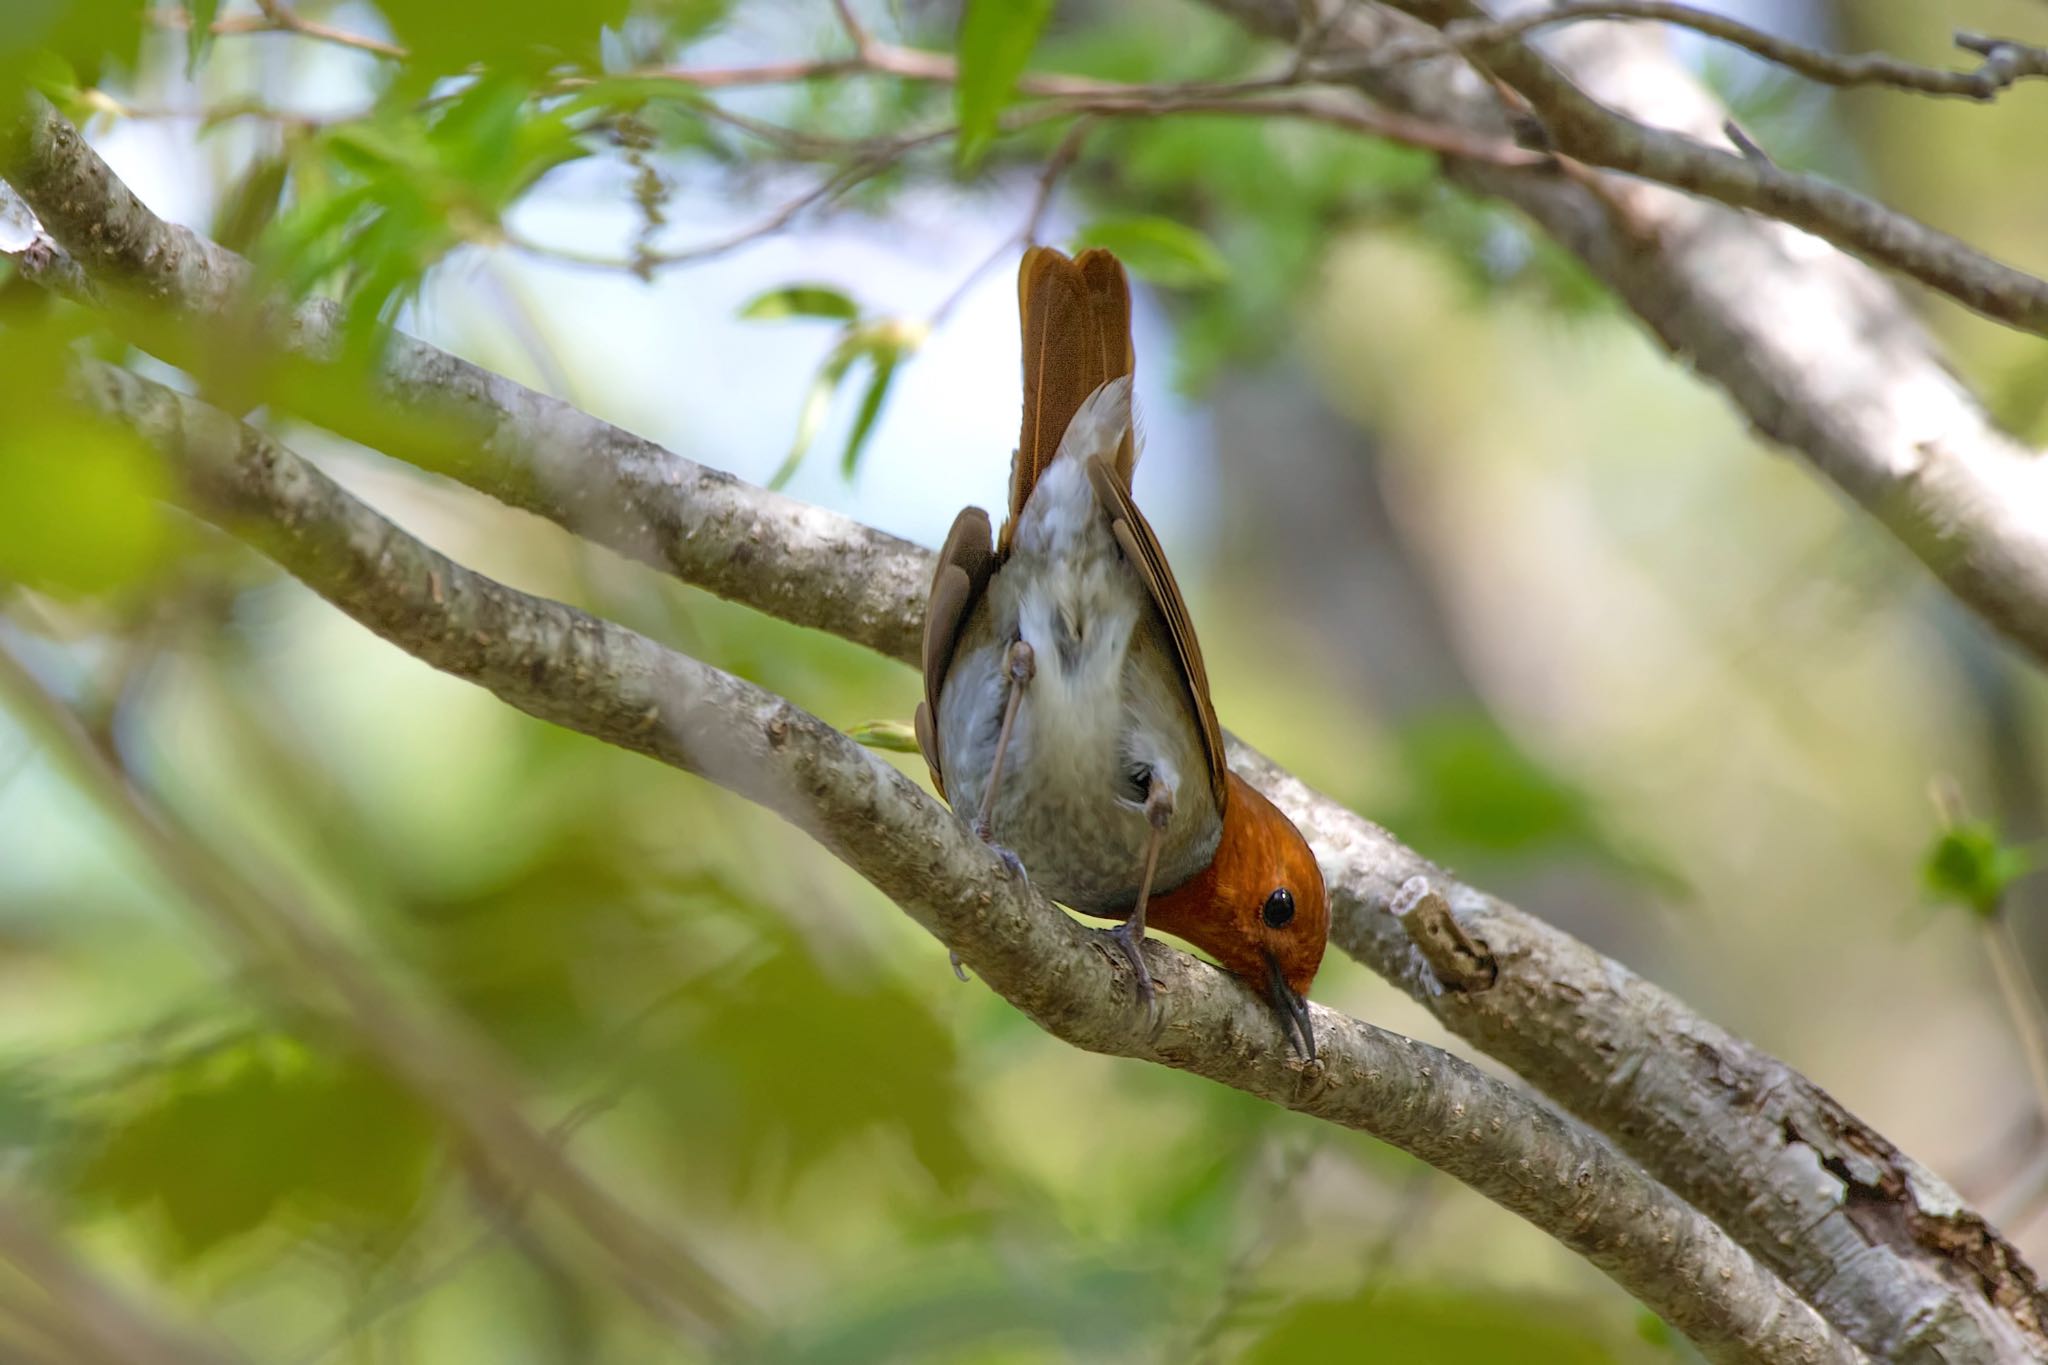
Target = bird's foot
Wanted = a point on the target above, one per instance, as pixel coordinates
(1010, 859)
(1130, 936)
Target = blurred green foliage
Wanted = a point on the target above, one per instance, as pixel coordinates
(1478, 800)
(1399, 1325)
(60, 42)
(881, 344)
(996, 39)
(507, 36)
(254, 1130)
(1159, 249)
(1969, 865)
(382, 199)
(81, 498)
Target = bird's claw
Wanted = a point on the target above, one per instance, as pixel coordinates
(1128, 937)
(1010, 860)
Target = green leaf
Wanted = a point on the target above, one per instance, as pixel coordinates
(221, 1143)
(1968, 866)
(890, 736)
(885, 362)
(506, 35)
(377, 202)
(786, 1056)
(39, 38)
(80, 509)
(883, 344)
(817, 402)
(1476, 796)
(1160, 250)
(251, 204)
(996, 39)
(800, 301)
(198, 31)
(1396, 1325)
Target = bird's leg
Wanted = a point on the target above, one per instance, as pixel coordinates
(1131, 933)
(1021, 665)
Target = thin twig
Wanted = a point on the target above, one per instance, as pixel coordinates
(2022, 1002)
(1582, 127)
(1331, 109)
(94, 1321)
(856, 32)
(275, 18)
(1278, 1212)
(2004, 61)
(1041, 201)
(644, 263)
(500, 1213)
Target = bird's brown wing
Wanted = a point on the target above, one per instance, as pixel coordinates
(966, 562)
(1143, 553)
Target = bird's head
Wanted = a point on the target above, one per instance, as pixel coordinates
(1259, 908)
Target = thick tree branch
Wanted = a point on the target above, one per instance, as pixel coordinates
(1889, 1252)
(577, 670)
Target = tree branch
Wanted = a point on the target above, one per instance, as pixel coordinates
(1895, 1258)
(2004, 62)
(592, 675)
(275, 18)
(1588, 131)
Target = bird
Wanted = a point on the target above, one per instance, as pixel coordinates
(1066, 704)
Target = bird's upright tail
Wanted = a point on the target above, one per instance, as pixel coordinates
(1076, 315)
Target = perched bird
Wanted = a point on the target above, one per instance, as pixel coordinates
(1066, 704)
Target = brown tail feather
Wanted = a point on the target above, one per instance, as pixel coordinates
(1076, 315)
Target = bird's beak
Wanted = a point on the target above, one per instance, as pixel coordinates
(1292, 1009)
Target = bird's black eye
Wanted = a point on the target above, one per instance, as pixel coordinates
(1279, 908)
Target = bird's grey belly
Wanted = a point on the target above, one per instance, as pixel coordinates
(1066, 804)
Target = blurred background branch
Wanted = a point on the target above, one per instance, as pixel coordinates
(71, 1314)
